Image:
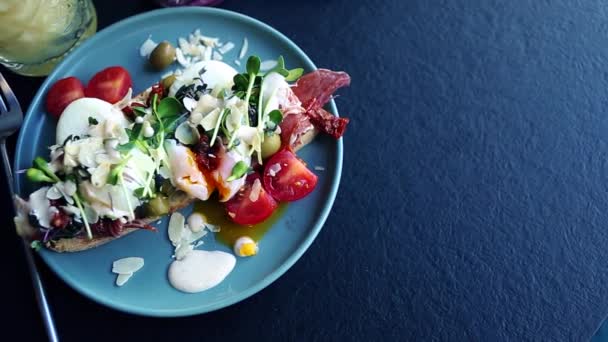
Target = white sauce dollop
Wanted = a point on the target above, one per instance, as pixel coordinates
(200, 270)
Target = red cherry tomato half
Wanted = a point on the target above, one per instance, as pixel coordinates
(110, 84)
(286, 178)
(62, 93)
(242, 208)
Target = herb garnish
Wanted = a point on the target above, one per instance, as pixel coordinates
(238, 170)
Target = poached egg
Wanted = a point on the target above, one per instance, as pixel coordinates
(186, 175)
(75, 117)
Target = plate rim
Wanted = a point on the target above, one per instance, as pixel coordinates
(286, 263)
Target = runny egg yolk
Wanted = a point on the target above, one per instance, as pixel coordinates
(186, 174)
(225, 191)
(245, 247)
(195, 178)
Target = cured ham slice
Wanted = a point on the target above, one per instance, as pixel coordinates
(313, 91)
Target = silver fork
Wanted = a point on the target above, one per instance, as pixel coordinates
(11, 117)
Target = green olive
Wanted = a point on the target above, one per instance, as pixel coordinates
(271, 145)
(157, 206)
(167, 82)
(162, 56)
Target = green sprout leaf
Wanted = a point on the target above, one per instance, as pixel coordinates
(169, 123)
(240, 82)
(275, 117)
(135, 132)
(294, 74)
(116, 172)
(113, 177)
(238, 170)
(139, 110)
(280, 67)
(35, 175)
(43, 166)
(140, 193)
(142, 146)
(169, 106)
(281, 62)
(283, 72)
(253, 65)
(125, 148)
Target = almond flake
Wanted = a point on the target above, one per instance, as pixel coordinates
(226, 48)
(181, 59)
(274, 169)
(127, 265)
(147, 47)
(255, 190)
(182, 250)
(121, 279)
(176, 225)
(244, 48)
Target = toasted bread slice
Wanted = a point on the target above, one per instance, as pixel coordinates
(82, 243)
(78, 244)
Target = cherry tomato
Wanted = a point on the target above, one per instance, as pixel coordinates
(243, 210)
(110, 84)
(292, 181)
(62, 93)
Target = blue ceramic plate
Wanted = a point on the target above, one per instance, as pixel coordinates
(149, 292)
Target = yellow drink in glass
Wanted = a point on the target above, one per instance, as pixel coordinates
(36, 34)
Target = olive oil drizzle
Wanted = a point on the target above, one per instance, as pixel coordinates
(215, 213)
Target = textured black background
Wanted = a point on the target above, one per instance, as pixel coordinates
(474, 195)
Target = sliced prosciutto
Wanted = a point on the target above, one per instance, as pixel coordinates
(316, 88)
(293, 127)
(313, 91)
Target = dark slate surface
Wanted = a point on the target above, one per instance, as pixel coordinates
(474, 196)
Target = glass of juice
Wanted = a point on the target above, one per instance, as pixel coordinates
(36, 34)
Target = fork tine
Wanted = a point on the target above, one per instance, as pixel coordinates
(13, 104)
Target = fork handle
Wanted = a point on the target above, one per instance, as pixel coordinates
(43, 304)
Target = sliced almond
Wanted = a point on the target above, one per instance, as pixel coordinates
(127, 265)
(121, 279)
(176, 225)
